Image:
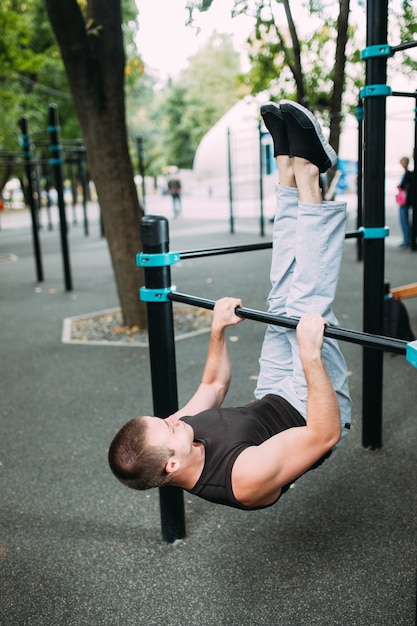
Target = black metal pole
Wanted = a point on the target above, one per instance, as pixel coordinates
(230, 173)
(56, 161)
(155, 239)
(46, 179)
(33, 201)
(73, 184)
(359, 218)
(82, 178)
(261, 182)
(414, 187)
(374, 203)
(141, 166)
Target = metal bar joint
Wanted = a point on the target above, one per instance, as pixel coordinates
(374, 233)
(381, 50)
(411, 353)
(155, 295)
(159, 259)
(375, 90)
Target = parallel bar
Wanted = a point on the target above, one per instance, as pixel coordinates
(265, 245)
(192, 254)
(354, 234)
(377, 342)
(403, 46)
(404, 94)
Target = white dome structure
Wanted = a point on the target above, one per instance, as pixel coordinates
(230, 151)
(229, 154)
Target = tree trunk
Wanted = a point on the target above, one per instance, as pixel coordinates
(93, 55)
(295, 67)
(339, 75)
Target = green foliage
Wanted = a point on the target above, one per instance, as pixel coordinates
(272, 55)
(172, 121)
(403, 28)
(199, 5)
(144, 108)
(179, 110)
(205, 90)
(31, 72)
(272, 58)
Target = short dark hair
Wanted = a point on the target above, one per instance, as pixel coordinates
(134, 462)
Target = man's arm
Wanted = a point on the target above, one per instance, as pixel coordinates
(260, 471)
(217, 371)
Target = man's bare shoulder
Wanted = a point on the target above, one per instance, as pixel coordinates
(260, 472)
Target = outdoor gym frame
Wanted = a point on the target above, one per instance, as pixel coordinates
(159, 293)
(44, 170)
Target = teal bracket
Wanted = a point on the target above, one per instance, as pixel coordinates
(381, 50)
(411, 353)
(375, 90)
(156, 295)
(159, 259)
(374, 233)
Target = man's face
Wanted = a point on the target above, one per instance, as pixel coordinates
(170, 434)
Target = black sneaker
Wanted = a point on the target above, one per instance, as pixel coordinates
(305, 136)
(275, 123)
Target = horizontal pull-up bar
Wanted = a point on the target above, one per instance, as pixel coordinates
(170, 258)
(368, 340)
(404, 46)
(405, 94)
(192, 254)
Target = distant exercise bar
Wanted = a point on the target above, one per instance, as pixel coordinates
(378, 342)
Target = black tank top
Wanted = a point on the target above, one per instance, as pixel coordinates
(226, 432)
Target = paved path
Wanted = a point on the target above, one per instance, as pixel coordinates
(78, 549)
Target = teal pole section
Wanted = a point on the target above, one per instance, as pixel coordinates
(155, 239)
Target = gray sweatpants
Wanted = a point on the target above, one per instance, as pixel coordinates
(307, 252)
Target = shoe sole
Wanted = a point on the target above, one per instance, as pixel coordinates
(271, 107)
(331, 154)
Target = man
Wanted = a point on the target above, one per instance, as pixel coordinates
(246, 457)
(175, 190)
